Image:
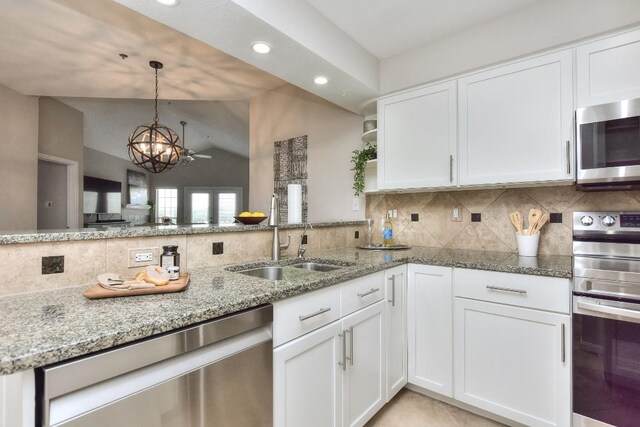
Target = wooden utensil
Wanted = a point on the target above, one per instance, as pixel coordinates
(539, 224)
(516, 220)
(534, 216)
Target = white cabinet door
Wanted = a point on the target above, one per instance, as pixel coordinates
(17, 399)
(364, 377)
(417, 138)
(307, 380)
(396, 283)
(607, 69)
(429, 314)
(516, 122)
(513, 362)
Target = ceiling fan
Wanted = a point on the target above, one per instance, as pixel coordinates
(189, 156)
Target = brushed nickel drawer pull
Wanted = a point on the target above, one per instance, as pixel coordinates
(317, 313)
(393, 290)
(450, 168)
(350, 332)
(343, 363)
(372, 291)
(500, 288)
(563, 347)
(568, 157)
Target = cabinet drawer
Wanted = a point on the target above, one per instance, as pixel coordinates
(358, 293)
(296, 316)
(543, 293)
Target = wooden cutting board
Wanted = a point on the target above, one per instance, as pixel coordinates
(97, 291)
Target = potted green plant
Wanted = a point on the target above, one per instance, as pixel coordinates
(359, 160)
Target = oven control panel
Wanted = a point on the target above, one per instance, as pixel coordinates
(606, 222)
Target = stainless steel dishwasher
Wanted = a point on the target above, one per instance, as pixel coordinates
(218, 373)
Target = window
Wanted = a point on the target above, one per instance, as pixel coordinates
(167, 204)
(217, 205)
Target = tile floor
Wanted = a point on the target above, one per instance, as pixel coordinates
(410, 409)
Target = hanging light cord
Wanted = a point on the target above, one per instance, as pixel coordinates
(155, 119)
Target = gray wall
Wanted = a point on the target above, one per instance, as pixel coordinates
(52, 187)
(19, 160)
(225, 169)
(61, 134)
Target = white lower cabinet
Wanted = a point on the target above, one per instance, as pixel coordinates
(363, 382)
(511, 351)
(334, 375)
(307, 379)
(429, 313)
(396, 283)
(17, 399)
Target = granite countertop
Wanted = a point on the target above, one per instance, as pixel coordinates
(40, 236)
(50, 326)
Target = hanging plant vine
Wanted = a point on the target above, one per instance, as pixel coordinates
(359, 160)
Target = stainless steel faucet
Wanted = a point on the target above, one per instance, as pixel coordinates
(302, 248)
(274, 221)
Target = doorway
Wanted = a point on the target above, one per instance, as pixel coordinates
(212, 205)
(57, 193)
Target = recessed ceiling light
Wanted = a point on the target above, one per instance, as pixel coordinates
(321, 80)
(168, 2)
(261, 47)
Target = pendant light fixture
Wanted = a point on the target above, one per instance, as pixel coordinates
(154, 147)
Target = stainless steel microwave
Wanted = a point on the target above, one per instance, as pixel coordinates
(608, 145)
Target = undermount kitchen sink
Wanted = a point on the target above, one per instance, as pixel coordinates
(267, 272)
(317, 266)
(276, 272)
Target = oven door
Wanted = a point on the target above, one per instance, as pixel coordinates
(606, 362)
(608, 143)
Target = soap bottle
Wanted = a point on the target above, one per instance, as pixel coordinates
(387, 232)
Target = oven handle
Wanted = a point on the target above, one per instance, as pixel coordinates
(609, 311)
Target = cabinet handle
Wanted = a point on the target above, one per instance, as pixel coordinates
(372, 291)
(450, 168)
(393, 290)
(350, 358)
(499, 288)
(344, 350)
(317, 313)
(563, 346)
(568, 157)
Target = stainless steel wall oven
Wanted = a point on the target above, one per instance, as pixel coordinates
(606, 319)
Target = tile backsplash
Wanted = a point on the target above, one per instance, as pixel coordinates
(494, 231)
(83, 260)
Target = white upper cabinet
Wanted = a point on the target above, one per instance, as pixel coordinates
(417, 138)
(516, 122)
(607, 69)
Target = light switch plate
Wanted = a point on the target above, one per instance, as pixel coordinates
(456, 214)
(356, 204)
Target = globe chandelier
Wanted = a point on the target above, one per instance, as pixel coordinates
(154, 146)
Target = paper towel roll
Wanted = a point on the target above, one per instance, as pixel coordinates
(294, 203)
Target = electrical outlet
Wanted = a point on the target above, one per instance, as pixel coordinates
(456, 214)
(395, 213)
(141, 257)
(356, 204)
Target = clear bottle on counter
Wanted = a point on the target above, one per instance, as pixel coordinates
(387, 232)
(170, 256)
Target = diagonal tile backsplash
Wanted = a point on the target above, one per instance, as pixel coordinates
(495, 232)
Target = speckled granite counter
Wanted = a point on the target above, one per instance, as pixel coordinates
(146, 231)
(46, 327)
